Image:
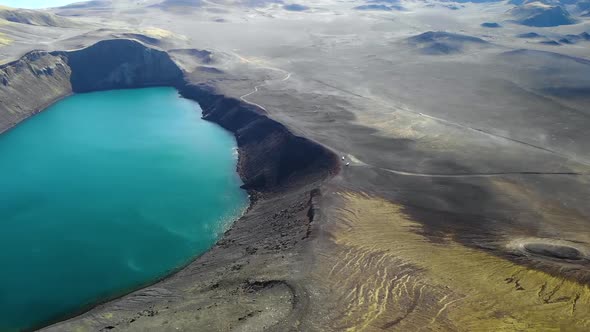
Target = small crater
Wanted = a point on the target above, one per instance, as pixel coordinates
(553, 251)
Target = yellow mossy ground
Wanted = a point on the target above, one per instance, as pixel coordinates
(4, 40)
(157, 32)
(161, 33)
(391, 277)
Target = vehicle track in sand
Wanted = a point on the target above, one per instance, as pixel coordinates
(266, 82)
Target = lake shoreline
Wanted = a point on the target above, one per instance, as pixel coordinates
(99, 200)
(278, 190)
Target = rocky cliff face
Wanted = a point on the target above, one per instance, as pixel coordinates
(271, 157)
(120, 64)
(30, 84)
(38, 79)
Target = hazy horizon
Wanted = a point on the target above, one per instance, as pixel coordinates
(35, 3)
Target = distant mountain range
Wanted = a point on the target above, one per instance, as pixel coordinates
(34, 17)
(538, 14)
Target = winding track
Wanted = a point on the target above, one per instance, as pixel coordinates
(430, 175)
(477, 175)
(243, 97)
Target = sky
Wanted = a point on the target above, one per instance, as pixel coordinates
(36, 3)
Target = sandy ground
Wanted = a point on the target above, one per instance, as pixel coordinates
(456, 162)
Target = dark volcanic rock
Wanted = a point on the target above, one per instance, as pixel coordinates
(95, 68)
(273, 158)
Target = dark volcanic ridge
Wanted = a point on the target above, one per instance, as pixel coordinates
(443, 43)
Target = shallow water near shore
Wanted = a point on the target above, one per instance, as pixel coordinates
(104, 192)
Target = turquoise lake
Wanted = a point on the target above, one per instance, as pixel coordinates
(107, 191)
(36, 3)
